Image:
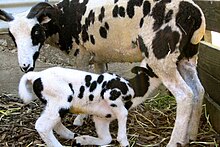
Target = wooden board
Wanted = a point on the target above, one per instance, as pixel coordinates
(209, 69)
(213, 110)
(209, 74)
(211, 10)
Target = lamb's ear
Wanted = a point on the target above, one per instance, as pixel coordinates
(5, 16)
(138, 69)
(43, 11)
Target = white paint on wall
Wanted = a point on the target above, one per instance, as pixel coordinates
(17, 6)
(215, 38)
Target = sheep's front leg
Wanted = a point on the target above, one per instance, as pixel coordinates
(99, 68)
(44, 126)
(187, 69)
(184, 97)
(102, 129)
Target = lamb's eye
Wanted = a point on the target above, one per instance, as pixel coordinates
(36, 33)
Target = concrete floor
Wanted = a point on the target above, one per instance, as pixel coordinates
(10, 72)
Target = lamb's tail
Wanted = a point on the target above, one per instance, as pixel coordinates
(25, 87)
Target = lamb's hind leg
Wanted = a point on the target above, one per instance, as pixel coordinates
(44, 126)
(102, 129)
(183, 94)
(63, 131)
(187, 69)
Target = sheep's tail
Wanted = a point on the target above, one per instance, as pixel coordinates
(25, 87)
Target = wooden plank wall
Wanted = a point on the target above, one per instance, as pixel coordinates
(209, 69)
(209, 62)
(211, 10)
(209, 73)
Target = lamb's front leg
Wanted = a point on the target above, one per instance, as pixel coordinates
(121, 113)
(78, 121)
(102, 129)
(114, 99)
(44, 126)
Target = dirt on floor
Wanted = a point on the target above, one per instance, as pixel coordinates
(150, 124)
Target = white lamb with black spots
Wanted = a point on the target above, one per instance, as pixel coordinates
(106, 97)
(163, 33)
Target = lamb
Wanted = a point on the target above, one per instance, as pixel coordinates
(106, 97)
(163, 33)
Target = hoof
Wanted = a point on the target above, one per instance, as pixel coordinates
(74, 144)
(76, 135)
(180, 145)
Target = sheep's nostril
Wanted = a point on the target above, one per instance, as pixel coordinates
(25, 67)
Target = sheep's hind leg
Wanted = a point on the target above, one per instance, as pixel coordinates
(104, 136)
(187, 69)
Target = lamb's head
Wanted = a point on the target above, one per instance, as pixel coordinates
(28, 32)
(141, 81)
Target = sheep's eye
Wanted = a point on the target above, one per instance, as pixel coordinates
(37, 35)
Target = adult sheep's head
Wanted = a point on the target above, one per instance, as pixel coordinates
(28, 32)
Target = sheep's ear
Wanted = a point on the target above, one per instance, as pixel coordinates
(5, 16)
(44, 20)
(43, 11)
